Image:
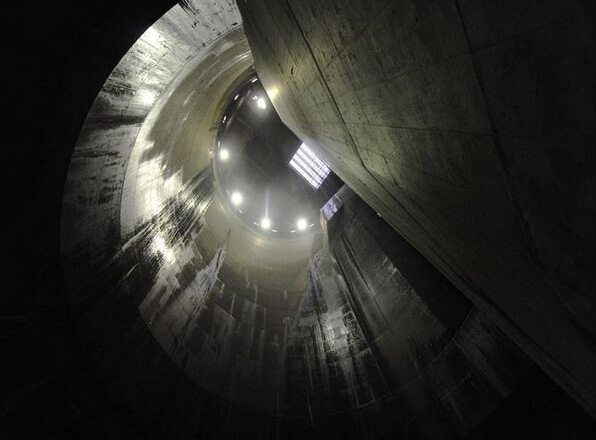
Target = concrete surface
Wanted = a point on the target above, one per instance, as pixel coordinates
(470, 128)
(175, 321)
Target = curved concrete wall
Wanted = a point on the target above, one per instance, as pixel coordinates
(464, 125)
(171, 291)
(146, 252)
(93, 369)
(444, 361)
(98, 167)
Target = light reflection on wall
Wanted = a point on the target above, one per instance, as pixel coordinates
(159, 245)
(152, 36)
(153, 189)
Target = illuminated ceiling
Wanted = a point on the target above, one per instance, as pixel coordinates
(257, 159)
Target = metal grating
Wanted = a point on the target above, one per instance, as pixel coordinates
(309, 166)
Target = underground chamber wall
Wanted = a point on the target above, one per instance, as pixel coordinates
(128, 267)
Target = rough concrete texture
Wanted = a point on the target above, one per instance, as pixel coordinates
(163, 274)
(438, 352)
(173, 319)
(178, 43)
(470, 128)
(83, 363)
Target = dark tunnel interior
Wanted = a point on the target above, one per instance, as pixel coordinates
(262, 219)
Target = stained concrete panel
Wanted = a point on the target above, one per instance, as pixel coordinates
(491, 78)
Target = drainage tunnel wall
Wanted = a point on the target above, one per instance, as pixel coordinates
(465, 128)
(470, 128)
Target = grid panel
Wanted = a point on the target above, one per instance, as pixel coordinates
(309, 166)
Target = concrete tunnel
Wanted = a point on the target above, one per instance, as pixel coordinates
(441, 278)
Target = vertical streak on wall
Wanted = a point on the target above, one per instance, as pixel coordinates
(458, 371)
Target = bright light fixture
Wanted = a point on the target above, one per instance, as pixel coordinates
(261, 104)
(265, 223)
(312, 169)
(224, 154)
(301, 224)
(236, 198)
